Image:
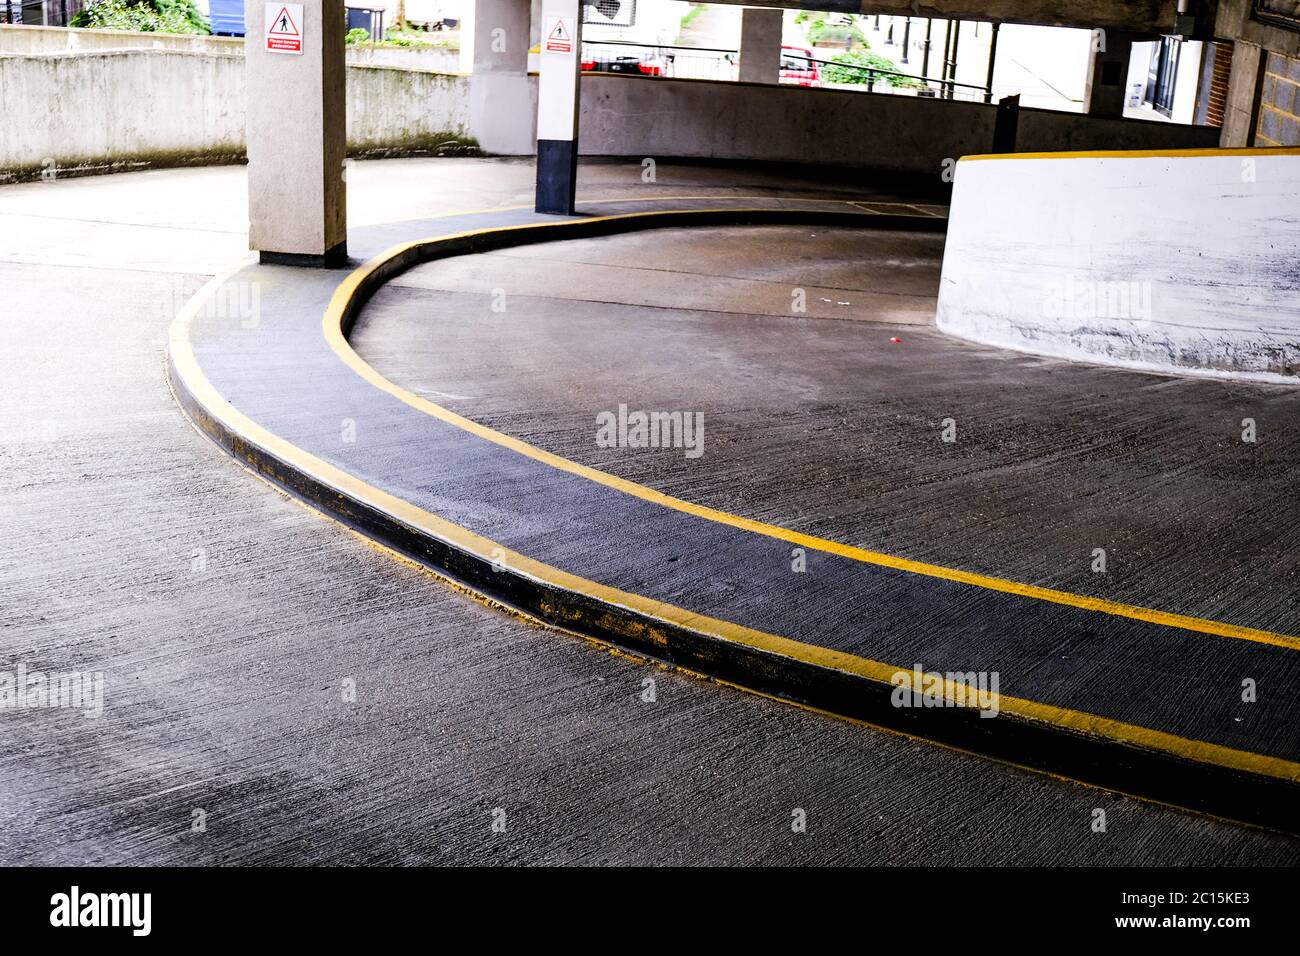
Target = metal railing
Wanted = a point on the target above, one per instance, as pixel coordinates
(706, 63)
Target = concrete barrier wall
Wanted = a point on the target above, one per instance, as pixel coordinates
(29, 39)
(98, 111)
(406, 110)
(634, 116)
(191, 89)
(1168, 262)
(87, 111)
(33, 39)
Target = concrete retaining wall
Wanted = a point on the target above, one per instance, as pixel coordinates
(29, 39)
(1174, 262)
(116, 109)
(191, 90)
(633, 116)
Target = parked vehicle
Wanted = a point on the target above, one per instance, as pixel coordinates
(798, 68)
(645, 65)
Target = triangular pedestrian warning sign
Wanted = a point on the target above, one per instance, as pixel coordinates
(559, 38)
(283, 25)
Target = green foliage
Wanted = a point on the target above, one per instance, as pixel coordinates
(404, 36)
(695, 10)
(146, 16)
(356, 35)
(821, 32)
(831, 29)
(840, 73)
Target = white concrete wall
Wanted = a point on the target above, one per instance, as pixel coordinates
(29, 39)
(149, 105)
(167, 106)
(40, 39)
(89, 109)
(634, 116)
(1176, 263)
(391, 108)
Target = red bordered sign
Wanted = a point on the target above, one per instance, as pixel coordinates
(284, 27)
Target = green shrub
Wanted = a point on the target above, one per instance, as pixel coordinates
(356, 35)
(402, 36)
(822, 32)
(146, 16)
(840, 74)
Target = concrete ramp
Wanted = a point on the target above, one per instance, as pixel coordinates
(1182, 260)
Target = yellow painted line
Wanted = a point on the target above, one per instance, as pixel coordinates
(184, 362)
(332, 324)
(595, 202)
(1142, 153)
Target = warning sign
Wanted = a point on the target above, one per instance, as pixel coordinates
(284, 27)
(559, 35)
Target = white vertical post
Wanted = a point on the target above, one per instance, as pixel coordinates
(557, 106)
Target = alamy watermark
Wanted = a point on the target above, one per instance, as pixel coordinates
(23, 689)
(921, 688)
(1080, 298)
(640, 429)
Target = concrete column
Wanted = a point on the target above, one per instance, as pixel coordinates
(1104, 92)
(557, 106)
(760, 45)
(500, 105)
(1245, 84)
(297, 132)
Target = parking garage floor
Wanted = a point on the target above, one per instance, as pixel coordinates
(223, 673)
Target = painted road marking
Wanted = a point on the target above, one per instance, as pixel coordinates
(340, 304)
(193, 380)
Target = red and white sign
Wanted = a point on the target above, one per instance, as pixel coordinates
(284, 28)
(559, 35)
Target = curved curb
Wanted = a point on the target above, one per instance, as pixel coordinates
(1248, 787)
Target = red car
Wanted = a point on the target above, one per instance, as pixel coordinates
(797, 66)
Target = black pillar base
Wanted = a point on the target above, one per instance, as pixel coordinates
(329, 259)
(557, 176)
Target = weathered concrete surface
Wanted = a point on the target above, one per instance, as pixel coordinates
(173, 106)
(21, 38)
(281, 396)
(1172, 263)
(829, 428)
(624, 115)
(760, 45)
(223, 685)
(831, 273)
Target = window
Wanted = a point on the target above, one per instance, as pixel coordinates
(1163, 75)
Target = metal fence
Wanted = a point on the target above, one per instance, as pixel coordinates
(702, 63)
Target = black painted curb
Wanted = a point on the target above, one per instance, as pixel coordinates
(1111, 764)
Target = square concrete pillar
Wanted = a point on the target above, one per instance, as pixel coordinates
(1104, 91)
(296, 130)
(501, 107)
(760, 45)
(1245, 85)
(557, 106)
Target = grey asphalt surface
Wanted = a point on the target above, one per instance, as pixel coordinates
(840, 436)
(224, 676)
